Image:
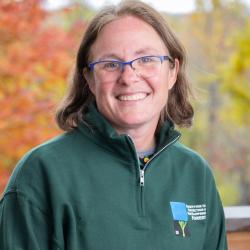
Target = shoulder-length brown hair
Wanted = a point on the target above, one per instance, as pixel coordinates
(75, 104)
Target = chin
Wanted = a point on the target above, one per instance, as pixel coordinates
(132, 122)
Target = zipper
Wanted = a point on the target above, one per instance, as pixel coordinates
(142, 177)
(142, 172)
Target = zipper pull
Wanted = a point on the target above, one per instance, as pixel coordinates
(141, 177)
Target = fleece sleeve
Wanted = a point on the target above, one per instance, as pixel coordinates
(23, 225)
(216, 229)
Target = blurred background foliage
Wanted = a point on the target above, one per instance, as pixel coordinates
(37, 52)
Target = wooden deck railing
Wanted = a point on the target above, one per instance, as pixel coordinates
(238, 227)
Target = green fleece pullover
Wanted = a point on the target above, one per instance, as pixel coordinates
(84, 191)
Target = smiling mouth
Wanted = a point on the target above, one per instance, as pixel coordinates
(132, 97)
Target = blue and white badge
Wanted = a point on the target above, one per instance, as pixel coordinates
(180, 216)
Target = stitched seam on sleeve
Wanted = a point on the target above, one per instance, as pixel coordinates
(43, 212)
(20, 194)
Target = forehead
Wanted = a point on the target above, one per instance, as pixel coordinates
(127, 36)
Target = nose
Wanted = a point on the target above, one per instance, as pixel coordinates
(124, 64)
(128, 74)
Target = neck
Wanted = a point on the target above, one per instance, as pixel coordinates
(143, 138)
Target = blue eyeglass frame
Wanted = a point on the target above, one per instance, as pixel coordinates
(123, 64)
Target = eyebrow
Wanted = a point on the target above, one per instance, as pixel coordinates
(144, 51)
(108, 56)
(147, 50)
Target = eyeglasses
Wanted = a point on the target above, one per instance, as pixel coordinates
(145, 66)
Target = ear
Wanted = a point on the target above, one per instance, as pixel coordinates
(90, 80)
(173, 73)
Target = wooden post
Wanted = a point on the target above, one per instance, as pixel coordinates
(238, 227)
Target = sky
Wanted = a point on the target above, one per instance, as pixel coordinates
(171, 6)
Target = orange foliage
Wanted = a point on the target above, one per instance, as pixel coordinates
(35, 60)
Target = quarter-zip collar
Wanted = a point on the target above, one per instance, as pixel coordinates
(106, 136)
(102, 133)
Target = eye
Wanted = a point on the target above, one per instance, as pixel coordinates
(111, 66)
(146, 60)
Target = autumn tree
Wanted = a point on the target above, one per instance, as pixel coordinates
(212, 26)
(35, 60)
(236, 111)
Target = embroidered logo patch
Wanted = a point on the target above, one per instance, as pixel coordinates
(180, 215)
(183, 213)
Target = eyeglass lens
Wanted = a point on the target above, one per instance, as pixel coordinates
(144, 67)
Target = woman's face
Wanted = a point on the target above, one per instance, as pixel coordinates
(131, 101)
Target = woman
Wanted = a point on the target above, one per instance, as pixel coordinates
(118, 178)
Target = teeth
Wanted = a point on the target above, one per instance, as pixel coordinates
(134, 97)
